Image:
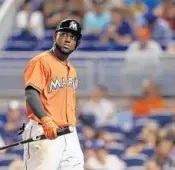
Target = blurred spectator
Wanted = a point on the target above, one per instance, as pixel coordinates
(163, 155)
(160, 29)
(54, 12)
(118, 31)
(129, 16)
(16, 165)
(105, 136)
(80, 6)
(166, 10)
(149, 3)
(88, 133)
(151, 129)
(150, 100)
(28, 19)
(12, 123)
(135, 149)
(138, 7)
(76, 15)
(101, 159)
(152, 165)
(101, 107)
(95, 20)
(144, 50)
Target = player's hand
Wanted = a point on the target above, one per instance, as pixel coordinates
(49, 127)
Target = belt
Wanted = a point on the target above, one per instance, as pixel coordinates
(38, 123)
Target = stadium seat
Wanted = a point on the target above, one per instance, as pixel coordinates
(116, 149)
(49, 34)
(148, 151)
(118, 137)
(90, 37)
(137, 160)
(2, 118)
(112, 129)
(162, 119)
(138, 124)
(87, 119)
(22, 41)
(20, 45)
(79, 128)
(18, 150)
(44, 45)
(7, 159)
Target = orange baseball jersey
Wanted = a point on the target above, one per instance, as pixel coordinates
(57, 83)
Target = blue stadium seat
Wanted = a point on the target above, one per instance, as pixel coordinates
(44, 45)
(137, 160)
(2, 118)
(136, 131)
(148, 151)
(118, 137)
(20, 45)
(22, 41)
(118, 47)
(116, 149)
(162, 119)
(49, 34)
(112, 129)
(85, 46)
(7, 159)
(87, 119)
(90, 37)
(18, 150)
(138, 124)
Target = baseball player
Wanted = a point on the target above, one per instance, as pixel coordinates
(50, 82)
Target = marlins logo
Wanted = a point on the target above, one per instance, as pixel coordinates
(73, 25)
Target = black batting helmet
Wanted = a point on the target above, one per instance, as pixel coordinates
(70, 26)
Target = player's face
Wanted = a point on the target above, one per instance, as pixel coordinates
(66, 41)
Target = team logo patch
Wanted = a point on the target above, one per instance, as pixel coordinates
(61, 83)
(73, 25)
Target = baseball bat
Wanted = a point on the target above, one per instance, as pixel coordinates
(60, 132)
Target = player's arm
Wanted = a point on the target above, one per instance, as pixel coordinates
(33, 100)
(35, 78)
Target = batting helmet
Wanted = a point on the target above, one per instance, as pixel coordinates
(70, 26)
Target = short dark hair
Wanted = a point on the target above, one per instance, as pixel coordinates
(76, 12)
(116, 9)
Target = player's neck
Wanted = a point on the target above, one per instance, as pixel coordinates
(59, 55)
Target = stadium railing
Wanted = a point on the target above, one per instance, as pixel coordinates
(107, 68)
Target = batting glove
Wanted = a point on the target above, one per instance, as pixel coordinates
(49, 127)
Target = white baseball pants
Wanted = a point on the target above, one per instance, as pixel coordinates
(63, 153)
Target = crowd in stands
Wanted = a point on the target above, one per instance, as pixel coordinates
(107, 24)
(137, 135)
(140, 135)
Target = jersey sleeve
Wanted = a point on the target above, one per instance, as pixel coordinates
(35, 75)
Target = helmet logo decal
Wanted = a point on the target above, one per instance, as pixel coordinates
(73, 25)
